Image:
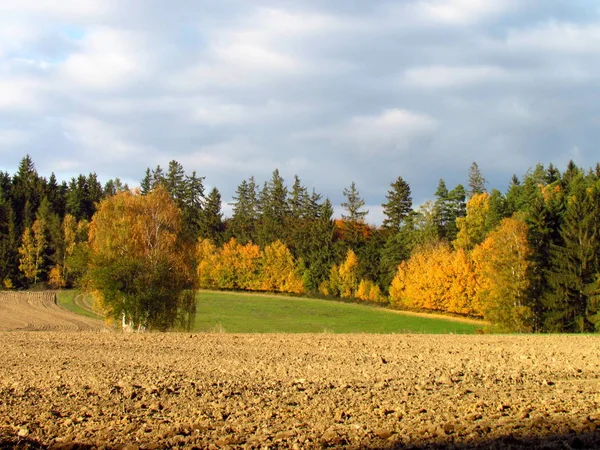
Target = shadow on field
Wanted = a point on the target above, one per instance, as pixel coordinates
(589, 440)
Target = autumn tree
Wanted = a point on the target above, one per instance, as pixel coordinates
(472, 228)
(278, 270)
(438, 279)
(232, 266)
(503, 265)
(139, 269)
(344, 278)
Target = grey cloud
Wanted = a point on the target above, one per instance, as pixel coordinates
(235, 88)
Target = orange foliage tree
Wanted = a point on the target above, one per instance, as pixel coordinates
(472, 227)
(279, 271)
(436, 278)
(343, 279)
(503, 266)
(246, 267)
(140, 265)
(233, 266)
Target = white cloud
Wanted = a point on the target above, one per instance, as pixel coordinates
(64, 9)
(101, 142)
(20, 94)
(556, 37)
(390, 131)
(107, 59)
(462, 12)
(448, 77)
(11, 138)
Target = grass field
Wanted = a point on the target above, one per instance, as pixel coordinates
(236, 312)
(255, 313)
(73, 301)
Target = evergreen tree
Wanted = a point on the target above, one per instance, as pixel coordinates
(9, 275)
(211, 218)
(354, 221)
(158, 177)
(50, 227)
(174, 182)
(398, 206)
(570, 174)
(476, 180)
(573, 301)
(456, 208)
(353, 205)
(146, 183)
(56, 195)
(245, 211)
(543, 219)
(274, 210)
(298, 201)
(552, 174)
(26, 194)
(193, 203)
(497, 210)
(112, 187)
(514, 196)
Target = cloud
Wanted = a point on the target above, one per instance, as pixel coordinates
(556, 37)
(444, 77)
(461, 12)
(389, 131)
(332, 91)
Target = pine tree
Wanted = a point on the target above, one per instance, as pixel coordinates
(8, 244)
(193, 203)
(245, 205)
(146, 183)
(353, 205)
(476, 180)
(457, 208)
(26, 194)
(543, 219)
(398, 206)
(274, 209)
(497, 210)
(572, 302)
(298, 201)
(211, 218)
(353, 223)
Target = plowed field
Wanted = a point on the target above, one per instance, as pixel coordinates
(135, 391)
(38, 311)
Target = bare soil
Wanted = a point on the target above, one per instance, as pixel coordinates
(38, 311)
(142, 391)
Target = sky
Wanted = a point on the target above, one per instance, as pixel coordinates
(332, 91)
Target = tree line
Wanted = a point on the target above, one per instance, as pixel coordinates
(526, 260)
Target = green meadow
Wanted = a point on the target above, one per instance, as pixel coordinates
(237, 312)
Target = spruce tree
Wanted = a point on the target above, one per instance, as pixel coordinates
(572, 302)
(273, 205)
(146, 183)
(476, 180)
(245, 212)
(211, 218)
(353, 205)
(398, 205)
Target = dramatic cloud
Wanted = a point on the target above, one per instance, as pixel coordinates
(333, 91)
